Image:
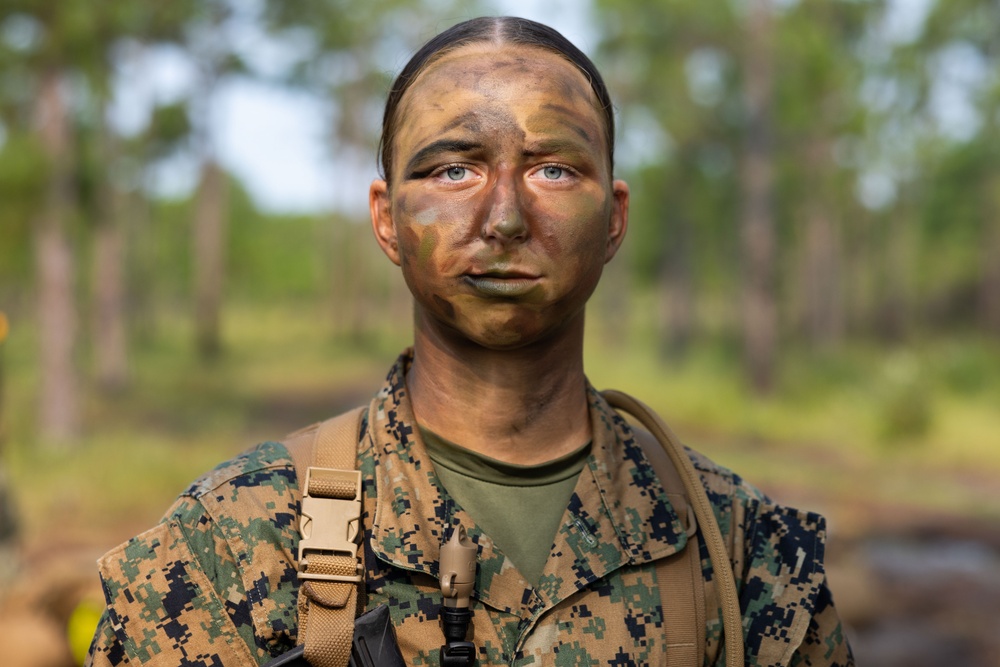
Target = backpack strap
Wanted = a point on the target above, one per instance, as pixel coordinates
(680, 579)
(329, 566)
(672, 584)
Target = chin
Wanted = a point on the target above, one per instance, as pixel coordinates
(503, 343)
(507, 339)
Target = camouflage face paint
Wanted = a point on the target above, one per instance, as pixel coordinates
(502, 199)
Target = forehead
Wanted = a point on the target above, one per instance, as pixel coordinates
(490, 68)
(477, 77)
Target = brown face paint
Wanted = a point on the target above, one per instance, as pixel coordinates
(445, 306)
(583, 127)
(520, 140)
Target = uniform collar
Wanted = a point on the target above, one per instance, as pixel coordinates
(618, 515)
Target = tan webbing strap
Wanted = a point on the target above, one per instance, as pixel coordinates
(329, 569)
(732, 619)
(682, 589)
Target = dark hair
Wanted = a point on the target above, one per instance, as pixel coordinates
(499, 30)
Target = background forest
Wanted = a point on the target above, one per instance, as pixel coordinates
(809, 293)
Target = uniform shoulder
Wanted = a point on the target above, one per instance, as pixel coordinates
(721, 481)
(244, 468)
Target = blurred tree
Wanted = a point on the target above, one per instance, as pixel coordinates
(757, 224)
(671, 67)
(215, 59)
(705, 72)
(108, 325)
(779, 91)
(55, 88)
(963, 32)
(891, 157)
(208, 244)
(820, 71)
(345, 53)
(157, 267)
(44, 41)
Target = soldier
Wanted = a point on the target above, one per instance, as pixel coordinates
(498, 203)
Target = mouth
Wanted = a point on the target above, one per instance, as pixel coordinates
(501, 284)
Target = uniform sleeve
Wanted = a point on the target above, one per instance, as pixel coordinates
(214, 583)
(162, 609)
(788, 612)
(105, 649)
(825, 644)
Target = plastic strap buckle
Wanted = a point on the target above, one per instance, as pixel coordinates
(329, 522)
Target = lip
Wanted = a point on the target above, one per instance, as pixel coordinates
(501, 284)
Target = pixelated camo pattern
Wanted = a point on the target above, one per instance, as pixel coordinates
(214, 583)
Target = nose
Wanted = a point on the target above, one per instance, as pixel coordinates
(505, 221)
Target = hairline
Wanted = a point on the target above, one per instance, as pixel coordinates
(504, 31)
(434, 60)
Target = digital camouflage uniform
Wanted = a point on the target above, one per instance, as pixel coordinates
(215, 584)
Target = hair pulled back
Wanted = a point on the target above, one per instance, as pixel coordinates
(498, 30)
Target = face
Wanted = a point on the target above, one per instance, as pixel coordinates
(502, 210)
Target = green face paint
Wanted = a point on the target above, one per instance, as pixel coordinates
(503, 203)
(428, 242)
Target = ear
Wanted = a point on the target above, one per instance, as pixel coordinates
(382, 225)
(619, 218)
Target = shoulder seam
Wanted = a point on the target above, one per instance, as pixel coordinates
(220, 476)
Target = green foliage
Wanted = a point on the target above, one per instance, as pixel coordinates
(22, 181)
(674, 67)
(169, 126)
(968, 368)
(23, 168)
(905, 408)
(275, 257)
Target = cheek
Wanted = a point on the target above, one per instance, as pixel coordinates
(540, 207)
(419, 236)
(418, 248)
(430, 228)
(445, 307)
(417, 245)
(576, 227)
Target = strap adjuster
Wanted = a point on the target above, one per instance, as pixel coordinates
(330, 520)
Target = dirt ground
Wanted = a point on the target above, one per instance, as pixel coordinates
(925, 594)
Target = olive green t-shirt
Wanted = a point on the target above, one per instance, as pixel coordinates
(518, 506)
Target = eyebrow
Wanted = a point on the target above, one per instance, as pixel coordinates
(554, 146)
(437, 147)
(584, 134)
(467, 118)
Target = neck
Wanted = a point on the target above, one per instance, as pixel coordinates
(523, 406)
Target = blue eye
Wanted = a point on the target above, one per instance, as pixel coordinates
(552, 173)
(456, 173)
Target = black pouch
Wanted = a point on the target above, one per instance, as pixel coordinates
(374, 644)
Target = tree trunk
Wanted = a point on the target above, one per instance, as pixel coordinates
(757, 180)
(110, 339)
(989, 295)
(141, 297)
(210, 226)
(858, 255)
(108, 287)
(676, 285)
(893, 314)
(55, 271)
(823, 319)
